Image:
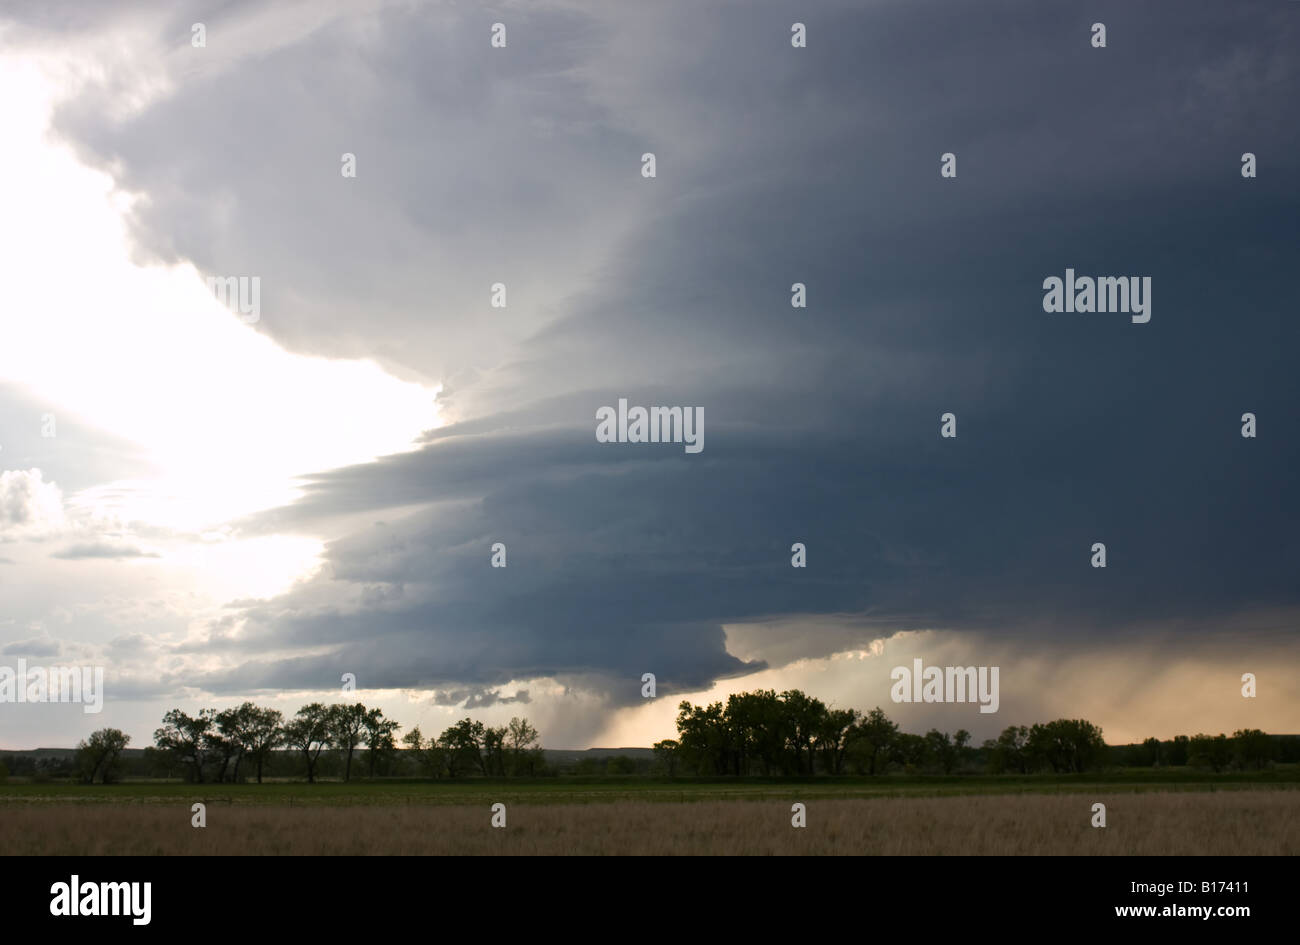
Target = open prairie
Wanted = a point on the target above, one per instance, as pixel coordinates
(1253, 820)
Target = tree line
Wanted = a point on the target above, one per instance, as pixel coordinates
(213, 746)
(794, 734)
(790, 734)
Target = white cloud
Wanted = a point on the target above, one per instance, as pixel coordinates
(29, 506)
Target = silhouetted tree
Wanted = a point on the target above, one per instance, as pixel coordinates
(493, 742)
(308, 732)
(523, 748)
(1151, 751)
(1009, 752)
(1251, 748)
(834, 732)
(97, 756)
(263, 732)
(805, 715)
(666, 756)
(874, 741)
(941, 749)
(1179, 750)
(1209, 751)
(345, 725)
(1067, 745)
(379, 733)
(188, 738)
(462, 747)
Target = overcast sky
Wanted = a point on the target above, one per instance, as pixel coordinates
(230, 509)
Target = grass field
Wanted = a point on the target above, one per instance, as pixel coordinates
(1149, 812)
(1241, 822)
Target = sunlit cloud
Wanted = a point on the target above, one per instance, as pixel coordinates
(225, 416)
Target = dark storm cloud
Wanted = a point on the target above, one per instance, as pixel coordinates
(478, 698)
(471, 169)
(821, 424)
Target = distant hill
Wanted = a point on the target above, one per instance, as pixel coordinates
(571, 755)
(59, 752)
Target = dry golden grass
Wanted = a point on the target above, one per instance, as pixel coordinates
(1221, 823)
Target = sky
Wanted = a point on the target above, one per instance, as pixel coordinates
(217, 506)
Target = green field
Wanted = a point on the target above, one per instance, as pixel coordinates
(576, 790)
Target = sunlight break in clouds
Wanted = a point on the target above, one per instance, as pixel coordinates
(226, 417)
